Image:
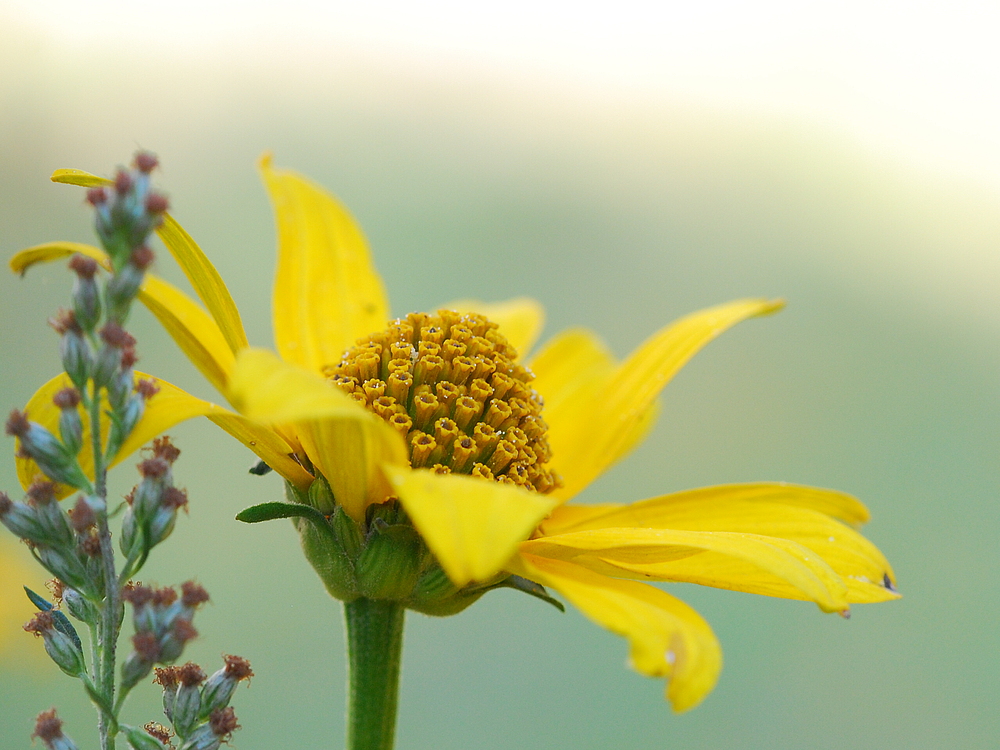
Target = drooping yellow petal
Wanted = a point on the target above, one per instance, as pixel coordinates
(268, 444)
(521, 319)
(168, 407)
(205, 279)
(667, 638)
(735, 561)
(664, 511)
(348, 444)
(620, 409)
(195, 332)
(471, 525)
(79, 178)
(327, 293)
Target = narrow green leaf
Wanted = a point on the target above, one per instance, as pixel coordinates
(59, 620)
(271, 511)
(531, 588)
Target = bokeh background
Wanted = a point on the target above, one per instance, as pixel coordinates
(625, 165)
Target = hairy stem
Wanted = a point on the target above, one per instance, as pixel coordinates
(374, 648)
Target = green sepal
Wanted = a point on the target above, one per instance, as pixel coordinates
(389, 565)
(320, 496)
(59, 620)
(271, 511)
(348, 533)
(531, 588)
(327, 557)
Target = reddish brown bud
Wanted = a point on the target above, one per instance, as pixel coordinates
(67, 398)
(5, 503)
(91, 545)
(156, 203)
(56, 587)
(142, 257)
(167, 677)
(153, 468)
(136, 594)
(238, 668)
(129, 357)
(174, 498)
(17, 424)
(81, 516)
(146, 646)
(146, 162)
(192, 594)
(65, 321)
(184, 631)
(164, 597)
(147, 388)
(42, 622)
(48, 727)
(163, 448)
(130, 497)
(223, 721)
(41, 492)
(83, 266)
(114, 335)
(190, 674)
(123, 182)
(96, 196)
(159, 731)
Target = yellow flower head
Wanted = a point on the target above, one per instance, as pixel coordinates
(438, 415)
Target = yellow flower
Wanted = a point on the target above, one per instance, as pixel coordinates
(329, 308)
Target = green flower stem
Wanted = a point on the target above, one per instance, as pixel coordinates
(374, 648)
(110, 619)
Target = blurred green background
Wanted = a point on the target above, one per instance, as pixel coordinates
(619, 212)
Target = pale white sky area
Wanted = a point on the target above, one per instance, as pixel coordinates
(917, 80)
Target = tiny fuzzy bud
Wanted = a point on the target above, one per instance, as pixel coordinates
(17, 424)
(193, 595)
(172, 645)
(202, 738)
(187, 704)
(96, 196)
(74, 349)
(67, 398)
(221, 685)
(120, 386)
(142, 257)
(153, 468)
(147, 389)
(64, 564)
(223, 722)
(146, 646)
(79, 606)
(82, 516)
(48, 728)
(164, 597)
(83, 266)
(163, 448)
(90, 545)
(156, 203)
(143, 739)
(123, 182)
(65, 321)
(61, 647)
(158, 731)
(146, 162)
(54, 522)
(53, 458)
(136, 664)
(144, 614)
(169, 679)
(21, 519)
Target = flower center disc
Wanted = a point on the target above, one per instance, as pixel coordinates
(450, 385)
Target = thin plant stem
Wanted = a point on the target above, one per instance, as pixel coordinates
(374, 650)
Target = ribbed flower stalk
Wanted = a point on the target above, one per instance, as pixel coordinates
(374, 650)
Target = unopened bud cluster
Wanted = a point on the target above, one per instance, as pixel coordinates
(162, 622)
(152, 505)
(198, 707)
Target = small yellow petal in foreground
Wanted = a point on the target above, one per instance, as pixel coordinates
(327, 294)
(667, 637)
(168, 407)
(80, 178)
(472, 526)
(348, 444)
(521, 320)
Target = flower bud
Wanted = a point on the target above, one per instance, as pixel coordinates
(77, 358)
(321, 496)
(145, 653)
(55, 523)
(169, 679)
(21, 519)
(70, 423)
(187, 705)
(174, 640)
(63, 649)
(124, 285)
(66, 565)
(109, 358)
(79, 606)
(48, 728)
(220, 727)
(86, 295)
(141, 739)
(218, 691)
(52, 457)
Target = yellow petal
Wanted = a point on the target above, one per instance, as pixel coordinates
(207, 282)
(619, 410)
(347, 443)
(79, 178)
(268, 444)
(520, 320)
(667, 638)
(205, 279)
(740, 562)
(471, 525)
(195, 332)
(168, 407)
(327, 293)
